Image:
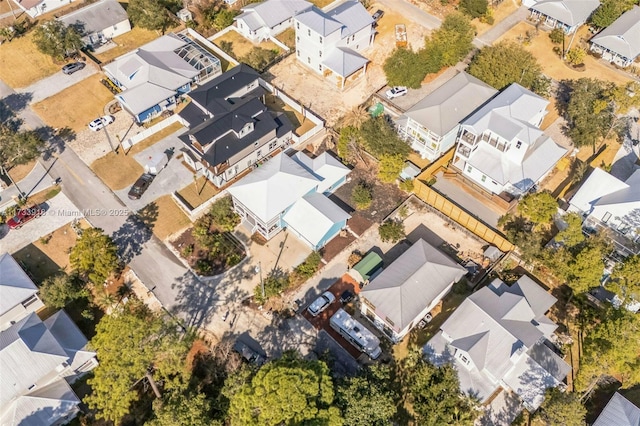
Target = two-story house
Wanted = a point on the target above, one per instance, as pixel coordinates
(501, 148)
(292, 193)
(498, 340)
(261, 21)
(431, 125)
(329, 42)
(230, 128)
(18, 294)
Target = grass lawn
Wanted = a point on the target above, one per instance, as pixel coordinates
(127, 42)
(42, 196)
(300, 124)
(75, 106)
(500, 12)
(170, 220)
(194, 197)
(416, 159)
(242, 46)
(321, 3)
(18, 173)
(128, 169)
(288, 38)
(21, 64)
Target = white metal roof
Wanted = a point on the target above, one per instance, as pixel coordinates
(326, 167)
(313, 216)
(570, 12)
(344, 61)
(96, 16)
(271, 12)
(348, 17)
(43, 406)
(15, 284)
(623, 35)
(599, 185)
(619, 412)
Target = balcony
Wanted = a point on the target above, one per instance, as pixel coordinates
(468, 137)
(464, 150)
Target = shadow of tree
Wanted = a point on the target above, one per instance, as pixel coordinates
(17, 101)
(8, 118)
(57, 139)
(130, 238)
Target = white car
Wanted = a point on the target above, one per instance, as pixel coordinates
(99, 123)
(321, 303)
(396, 92)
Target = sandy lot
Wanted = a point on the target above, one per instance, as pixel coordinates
(321, 96)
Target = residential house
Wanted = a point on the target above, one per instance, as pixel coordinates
(408, 289)
(18, 294)
(329, 43)
(99, 22)
(501, 148)
(154, 76)
(618, 43)
(230, 128)
(291, 192)
(432, 124)
(567, 15)
(35, 8)
(606, 202)
(619, 411)
(499, 338)
(261, 21)
(38, 360)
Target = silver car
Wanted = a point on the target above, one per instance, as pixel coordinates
(321, 303)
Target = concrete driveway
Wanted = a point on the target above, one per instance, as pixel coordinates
(56, 83)
(173, 177)
(37, 180)
(59, 211)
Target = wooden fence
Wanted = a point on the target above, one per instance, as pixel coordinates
(460, 216)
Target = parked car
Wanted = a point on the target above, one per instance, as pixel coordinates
(346, 297)
(424, 321)
(321, 303)
(73, 67)
(101, 122)
(248, 353)
(140, 186)
(396, 92)
(376, 16)
(23, 216)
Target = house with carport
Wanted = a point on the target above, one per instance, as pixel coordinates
(264, 20)
(568, 15)
(99, 22)
(408, 289)
(292, 193)
(619, 42)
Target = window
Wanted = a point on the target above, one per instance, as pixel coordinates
(309, 33)
(298, 53)
(298, 25)
(483, 178)
(259, 153)
(308, 60)
(272, 145)
(518, 144)
(320, 39)
(320, 67)
(298, 39)
(320, 54)
(469, 169)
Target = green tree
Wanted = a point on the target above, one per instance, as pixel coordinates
(404, 68)
(259, 58)
(589, 112)
(474, 8)
(348, 145)
(379, 137)
(60, 290)
(563, 408)
(609, 11)
(539, 207)
(434, 393)
(572, 235)
(505, 63)
(18, 147)
(368, 399)
(390, 167)
(153, 14)
(56, 39)
(183, 409)
(94, 256)
(581, 266)
(224, 18)
(362, 195)
(310, 265)
(556, 35)
(627, 273)
(133, 344)
(454, 38)
(223, 215)
(391, 230)
(289, 391)
(356, 117)
(576, 56)
(274, 283)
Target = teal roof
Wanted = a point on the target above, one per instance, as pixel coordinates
(368, 265)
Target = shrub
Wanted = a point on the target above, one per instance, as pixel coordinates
(274, 284)
(556, 35)
(258, 238)
(310, 265)
(259, 58)
(362, 195)
(354, 258)
(391, 230)
(223, 215)
(474, 8)
(576, 56)
(407, 185)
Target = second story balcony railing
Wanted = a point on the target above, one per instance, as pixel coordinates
(468, 137)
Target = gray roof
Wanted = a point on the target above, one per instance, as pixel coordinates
(43, 406)
(349, 17)
(318, 21)
(411, 283)
(570, 12)
(97, 16)
(271, 12)
(15, 284)
(344, 61)
(448, 105)
(623, 35)
(619, 412)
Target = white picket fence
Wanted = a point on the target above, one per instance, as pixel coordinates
(175, 118)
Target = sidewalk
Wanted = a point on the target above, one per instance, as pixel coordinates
(37, 180)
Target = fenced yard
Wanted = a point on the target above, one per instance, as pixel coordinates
(241, 46)
(126, 43)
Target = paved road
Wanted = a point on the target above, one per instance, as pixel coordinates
(412, 12)
(501, 27)
(56, 83)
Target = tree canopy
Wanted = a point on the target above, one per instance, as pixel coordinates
(57, 39)
(153, 14)
(589, 112)
(289, 390)
(391, 230)
(474, 8)
(59, 290)
(609, 11)
(404, 68)
(390, 167)
(18, 147)
(223, 215)
(563, 408)
(572, 235)
(539, 207)
(505, 63)
(95, 255)
(380, 138)
(183, 409)
(627, 273)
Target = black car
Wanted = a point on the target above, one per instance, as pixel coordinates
(376, 16)
(141, 185)
(346, 297)
(73, 67)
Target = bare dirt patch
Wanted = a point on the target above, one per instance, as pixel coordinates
(437, 7)
(21, 64)
(500, 12)
(300, 123)
(208, 262)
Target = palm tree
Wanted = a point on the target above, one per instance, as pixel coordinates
(356, 117)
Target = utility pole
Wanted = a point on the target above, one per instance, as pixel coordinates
(259, 270)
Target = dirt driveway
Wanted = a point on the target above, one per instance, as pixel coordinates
(321, 96)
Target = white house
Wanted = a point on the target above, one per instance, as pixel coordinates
(501, 148)
(498, 340)
(261, 21)
(99, 22)
(619, 42)
(291, 192)
(18, 294)
(432, 124)
(567, 15)
(38, 361)
(152, 77)
(619, 411)
(407, 290)
(329, 42)
(607, 202)
(35, 8)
